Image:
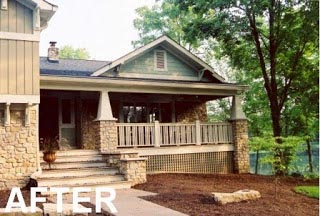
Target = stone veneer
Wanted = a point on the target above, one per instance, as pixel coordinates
(241, 149)
(134, 170)
(88, 125)
(107, 135)
(18, 148)
(188, 112)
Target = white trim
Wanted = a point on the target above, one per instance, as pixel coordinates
(162, 74)
(27, 115)
(139, 86)
(7, 115)
(40, 3)
(155, 60)
(36, 19)
(20, 36)
(181, 149)
(34, 99)
(236, 109)
(104, 109)
(4, 4)
(154, 43)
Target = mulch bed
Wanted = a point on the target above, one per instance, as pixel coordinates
(191, 194)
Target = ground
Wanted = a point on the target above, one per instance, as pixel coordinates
(191, 194)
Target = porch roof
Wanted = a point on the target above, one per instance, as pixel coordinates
(131, 85)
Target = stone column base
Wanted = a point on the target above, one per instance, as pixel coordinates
(241, 149)
(107, 138)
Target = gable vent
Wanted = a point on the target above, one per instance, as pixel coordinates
(160, 60)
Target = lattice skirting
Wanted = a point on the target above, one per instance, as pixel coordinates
(206, 162)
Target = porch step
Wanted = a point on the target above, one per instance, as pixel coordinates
(80, 172)
(80, 168)
(79, 181)
(74, 165)
(115, 185)
(74, 152)
(76, 158)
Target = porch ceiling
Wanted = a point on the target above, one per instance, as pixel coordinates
(139, 86)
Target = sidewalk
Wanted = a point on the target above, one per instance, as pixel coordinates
(129, 203)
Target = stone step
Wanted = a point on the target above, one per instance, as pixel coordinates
(74, 165)
(76, 158)
(115, 185)
(74, 152)
(79, 181)
(80, 172)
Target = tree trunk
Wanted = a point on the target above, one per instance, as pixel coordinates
(310, 156)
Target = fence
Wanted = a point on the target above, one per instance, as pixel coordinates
(173, 134)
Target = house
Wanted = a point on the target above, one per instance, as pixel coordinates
(117, 120)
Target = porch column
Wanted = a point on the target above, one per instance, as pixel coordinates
(240, 136)
(106, 125)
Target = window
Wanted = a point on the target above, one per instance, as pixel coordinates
(160, 60)
(146, 113)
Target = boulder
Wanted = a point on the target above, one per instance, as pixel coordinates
(238, 196)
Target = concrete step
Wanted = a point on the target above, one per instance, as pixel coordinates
(79, 181)
(74, 152)
(65, 173)
(76, 158)
(74, 165)
(115, 185)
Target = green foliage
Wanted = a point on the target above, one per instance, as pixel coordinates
(282, 156)
(274, 42)
(271, 45)
(49, 144)
(219, 110)
(309, 191)
(73, 53)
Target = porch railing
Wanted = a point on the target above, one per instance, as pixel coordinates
(173, 134)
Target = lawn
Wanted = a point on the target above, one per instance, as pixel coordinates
(310, 191)
(191, 194)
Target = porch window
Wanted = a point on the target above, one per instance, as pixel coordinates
(146, 113)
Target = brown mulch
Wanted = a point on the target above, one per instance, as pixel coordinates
(191, 194)
(4, 196)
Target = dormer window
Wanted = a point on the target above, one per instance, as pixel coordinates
(160, 60)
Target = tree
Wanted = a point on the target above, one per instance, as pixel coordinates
(162, 19)
(73, 53)
(272, 40)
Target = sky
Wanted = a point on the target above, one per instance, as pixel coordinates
(103, 27)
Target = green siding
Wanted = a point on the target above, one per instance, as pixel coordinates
(143, 67)
(17, 18)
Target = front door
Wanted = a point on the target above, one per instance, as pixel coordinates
(67, 129)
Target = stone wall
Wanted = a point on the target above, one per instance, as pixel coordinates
(241, 149)
(188, 112)
(88, 126)
(134, 170)
(107, 136)
(18, 148)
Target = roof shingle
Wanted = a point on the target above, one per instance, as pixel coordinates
(70, 67)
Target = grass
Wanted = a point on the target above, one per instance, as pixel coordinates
(310, 191)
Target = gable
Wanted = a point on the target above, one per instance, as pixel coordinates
(203, 71)
(151, 65)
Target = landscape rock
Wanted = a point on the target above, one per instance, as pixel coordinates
(238, 196)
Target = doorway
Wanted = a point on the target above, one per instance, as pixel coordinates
(57, 118)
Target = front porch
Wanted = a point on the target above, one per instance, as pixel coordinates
(168, 129)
